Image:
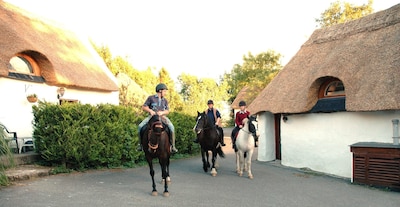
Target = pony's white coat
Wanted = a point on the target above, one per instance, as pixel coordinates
(245, 144)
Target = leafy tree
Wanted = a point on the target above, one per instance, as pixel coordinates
(196, 92)
(256, 71)
(173, 97)
(341, 12)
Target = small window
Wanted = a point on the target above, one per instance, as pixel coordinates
(332, 88)
(21, 65)
(24, 67)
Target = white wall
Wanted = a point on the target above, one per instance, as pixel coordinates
(266, 140)
(16, 111)
(321, 141)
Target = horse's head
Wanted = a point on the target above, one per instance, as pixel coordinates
(253, 125)
(156, 128)
(201, 122)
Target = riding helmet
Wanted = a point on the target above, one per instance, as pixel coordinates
(161, 86)
(242, 103)
(210, 102)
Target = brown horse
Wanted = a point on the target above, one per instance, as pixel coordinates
(156, 144)
(209, 141)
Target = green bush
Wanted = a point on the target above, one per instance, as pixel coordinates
(80, 136)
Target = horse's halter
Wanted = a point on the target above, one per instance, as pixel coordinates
(197, 129)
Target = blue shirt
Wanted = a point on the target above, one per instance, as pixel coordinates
(210, 114)
(156, 103)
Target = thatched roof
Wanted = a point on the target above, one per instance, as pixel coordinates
(64, 58)
(364, 54)
(247, 94)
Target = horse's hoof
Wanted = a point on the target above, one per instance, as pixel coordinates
(154, 193)
(162, 181)
(251, 177)
(168, 180)
(213, 172)
(166, 194)
(240, 174)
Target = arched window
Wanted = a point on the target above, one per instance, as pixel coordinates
(24, 67)
(332, 88)
(331, 96)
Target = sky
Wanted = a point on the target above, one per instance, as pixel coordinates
(204, 38)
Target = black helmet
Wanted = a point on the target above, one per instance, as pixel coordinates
(161, 86)
(242, 103)
(210, 102)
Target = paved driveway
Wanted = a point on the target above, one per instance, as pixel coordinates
(273, 185)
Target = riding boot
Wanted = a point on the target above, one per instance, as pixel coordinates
(221, 135)
(174, 150)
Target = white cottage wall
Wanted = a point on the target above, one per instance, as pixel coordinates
(16, 111)
(321, 141)
(266, 140)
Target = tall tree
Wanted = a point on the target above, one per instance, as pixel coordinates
(175, 100)
(256, 71)
(341, 12)
(196, 92)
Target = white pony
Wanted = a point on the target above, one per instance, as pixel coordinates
(245, 145)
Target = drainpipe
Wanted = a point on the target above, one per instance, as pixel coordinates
(395, 131)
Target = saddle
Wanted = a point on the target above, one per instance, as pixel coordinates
(167, 129)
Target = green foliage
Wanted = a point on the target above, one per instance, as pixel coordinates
(6, 157)
(76, 136)
(341, 12)
(83, 136)
(184, 132)
(196, 92)
(256, 71)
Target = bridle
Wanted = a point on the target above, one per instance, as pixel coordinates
(155, 125)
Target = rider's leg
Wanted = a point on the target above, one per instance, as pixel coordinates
(172, 128)
(141, 125)
(221, 135)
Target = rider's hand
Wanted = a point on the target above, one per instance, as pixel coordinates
(152, 112)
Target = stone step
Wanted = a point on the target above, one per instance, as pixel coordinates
(25, 167)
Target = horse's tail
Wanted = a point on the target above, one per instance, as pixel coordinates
(220, 152)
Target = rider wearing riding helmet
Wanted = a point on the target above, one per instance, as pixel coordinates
(240, 116)
(158, 104)
(214, 115)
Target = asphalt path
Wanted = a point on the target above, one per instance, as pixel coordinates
(273, 185)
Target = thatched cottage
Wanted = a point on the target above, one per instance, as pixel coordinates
(39, 57)
(342, 87)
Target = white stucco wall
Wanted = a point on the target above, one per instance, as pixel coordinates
(16, 111)
(321, 141)
(266, 140)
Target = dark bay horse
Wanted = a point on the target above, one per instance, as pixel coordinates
(156, 144)
(209, 141)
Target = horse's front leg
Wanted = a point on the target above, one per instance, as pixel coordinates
(237, 162)
(154, 192)
(164, 177)
(203, 158)
(241, 163)
(248, 163)
(213, 159)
